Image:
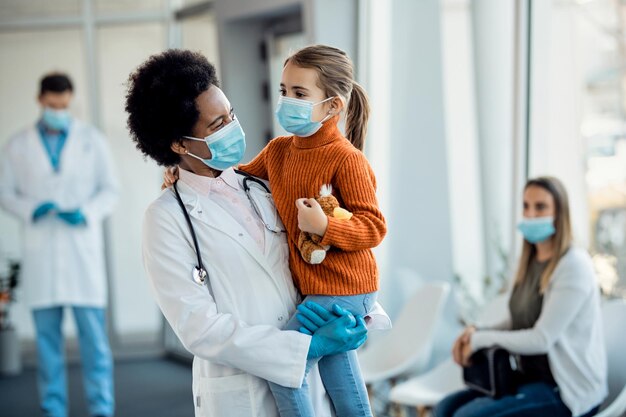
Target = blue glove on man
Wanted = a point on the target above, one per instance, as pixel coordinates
(73, 218)
(43, 209)
(332, 332)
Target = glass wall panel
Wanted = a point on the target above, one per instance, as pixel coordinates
(579, 132)
(19, 9)
(123, 6)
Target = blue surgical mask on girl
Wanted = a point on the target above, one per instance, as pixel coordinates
(536, 230)
(227, 146)
(294, 115)
(56, 119)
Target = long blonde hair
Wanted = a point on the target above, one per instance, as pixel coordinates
(562, 238)
(335, 73)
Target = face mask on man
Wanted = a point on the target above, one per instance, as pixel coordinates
(294, 115)
(56, 119)
(536, 230)
(227, 146)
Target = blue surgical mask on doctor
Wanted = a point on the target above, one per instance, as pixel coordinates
(56, 119)
(227, 146)
(294, 115)
(537, 229)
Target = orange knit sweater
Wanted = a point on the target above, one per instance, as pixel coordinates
(297, 167)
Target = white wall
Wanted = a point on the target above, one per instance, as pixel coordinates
(119, 50)
(493, 26)
(419, 230)
(463, 146)
(199, 33)
(409, 149)
(333, 22)
(375, 76)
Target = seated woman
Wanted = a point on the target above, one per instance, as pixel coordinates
(554, 325)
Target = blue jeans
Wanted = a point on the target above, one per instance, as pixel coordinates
(536, 399)
(340, 373)
(97, 363)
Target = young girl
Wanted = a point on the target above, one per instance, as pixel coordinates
(317, 85)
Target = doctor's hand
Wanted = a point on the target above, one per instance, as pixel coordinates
(311, 217)
(73, 218)
(170, 176)
(43, 209)
(312, 316)
(340, 335)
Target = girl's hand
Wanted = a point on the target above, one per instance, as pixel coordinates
(170, 176)
(311, 217)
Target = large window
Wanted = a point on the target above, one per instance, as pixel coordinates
(579, 124)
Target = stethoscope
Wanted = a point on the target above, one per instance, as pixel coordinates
(199, 271)
(247, 178)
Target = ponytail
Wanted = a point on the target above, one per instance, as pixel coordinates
(357, 115)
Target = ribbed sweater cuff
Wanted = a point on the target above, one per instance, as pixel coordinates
(335, 231)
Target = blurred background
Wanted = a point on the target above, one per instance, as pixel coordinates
(469, 99)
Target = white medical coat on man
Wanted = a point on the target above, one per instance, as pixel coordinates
(61, 264)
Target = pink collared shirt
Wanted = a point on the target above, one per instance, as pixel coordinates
(227, 192)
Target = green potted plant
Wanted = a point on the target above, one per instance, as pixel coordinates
(10, 358)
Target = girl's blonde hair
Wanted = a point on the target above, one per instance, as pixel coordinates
(335, 74)
(562, 238)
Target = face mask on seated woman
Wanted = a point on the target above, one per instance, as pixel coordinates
(538, 229)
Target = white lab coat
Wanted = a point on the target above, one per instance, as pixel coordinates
(61, 264)
(234, 334)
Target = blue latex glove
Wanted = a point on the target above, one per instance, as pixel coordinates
(312, 316)
(43, 209)
(73, 218)
(338, 335)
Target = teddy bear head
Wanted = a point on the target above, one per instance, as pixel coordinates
(327, 200)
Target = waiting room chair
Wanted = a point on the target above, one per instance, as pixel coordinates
(614, 317)
(407, 347)
(426, 390)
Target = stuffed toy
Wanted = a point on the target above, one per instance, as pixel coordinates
(308, 243)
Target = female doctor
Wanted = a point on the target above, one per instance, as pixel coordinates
(215, 250)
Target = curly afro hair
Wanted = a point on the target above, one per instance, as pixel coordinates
(160, 101)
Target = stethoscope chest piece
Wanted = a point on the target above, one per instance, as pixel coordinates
(199, 275)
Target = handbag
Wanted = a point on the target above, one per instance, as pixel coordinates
(492, 371)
